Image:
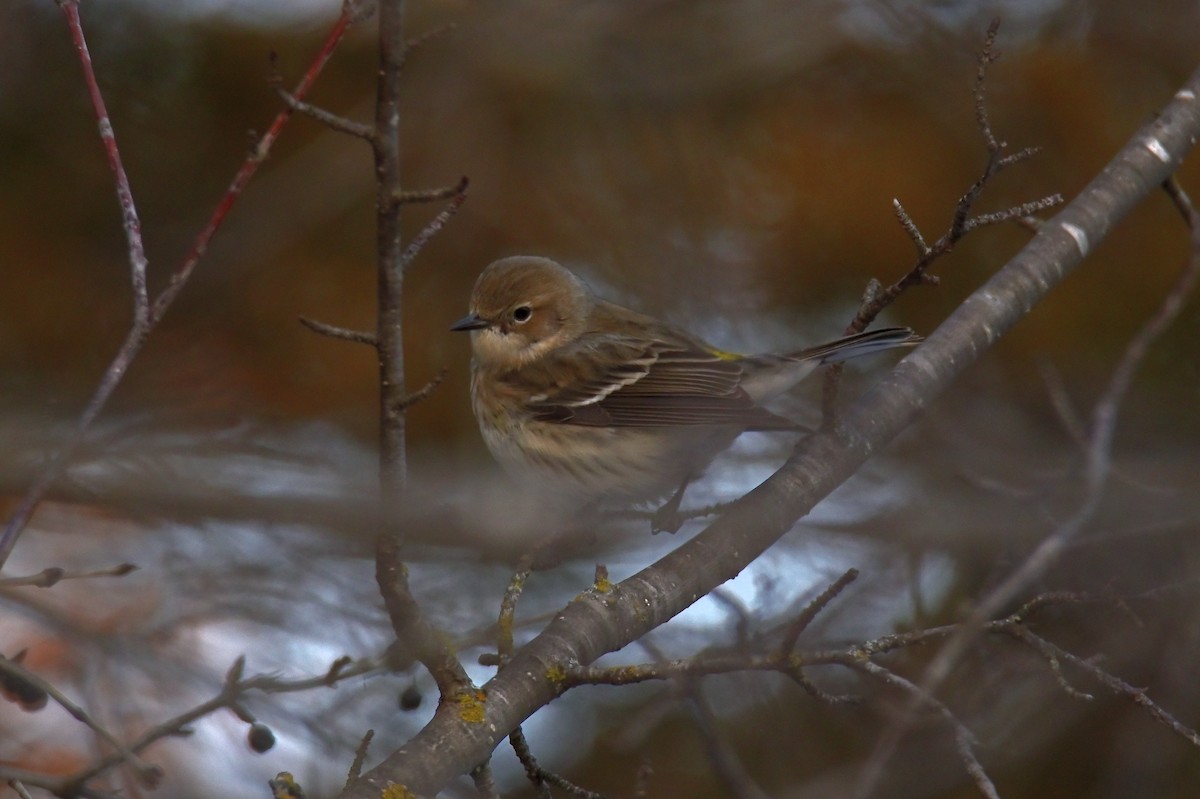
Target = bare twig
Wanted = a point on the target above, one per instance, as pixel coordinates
(1115, 684)
(360, 757)
(741, 614)
(148, 774)
(964, 739)
(327, 118)
(819, 603)
(508, 607)
(130, 222)
(435, 225)
(425, 391)
(910, 227)
(541, 778)
(341, 333)
(420, 40)
(432, 195)
(1060, 400)
(54, 575)
(721, 755)
(532, 770)
(1009, 214)
(987, 56)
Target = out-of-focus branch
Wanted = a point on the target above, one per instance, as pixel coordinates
(148, 775)
(55, 574)
(147, 314)
(231, 695)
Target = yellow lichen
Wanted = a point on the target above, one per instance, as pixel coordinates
(472, 706)
(394, 791)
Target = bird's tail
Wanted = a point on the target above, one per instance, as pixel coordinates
(843, 349)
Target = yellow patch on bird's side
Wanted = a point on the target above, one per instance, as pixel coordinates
(723, 355)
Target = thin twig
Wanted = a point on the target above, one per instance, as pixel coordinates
(1060, 401)
(743, 618)
(329, 119)
(340, 333)
(148, 774)
(432, 195)
(721, 755)
(360, 757)
(964, 739)
(540, 777)
(435, 225)
(425, 391)
(987, 56)
(1113, 683)
(508, 607)
(910, 227)
(819, 603)
(19, 787)
(231, 693)
(53, 575)
(419, 41)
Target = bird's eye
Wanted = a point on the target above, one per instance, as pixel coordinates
(522, 313)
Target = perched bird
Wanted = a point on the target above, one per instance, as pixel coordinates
(601, 405)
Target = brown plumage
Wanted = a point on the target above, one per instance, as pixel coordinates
(595, 402)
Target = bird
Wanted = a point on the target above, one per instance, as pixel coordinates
(598, 405)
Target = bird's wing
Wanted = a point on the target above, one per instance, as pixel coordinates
(663, 384)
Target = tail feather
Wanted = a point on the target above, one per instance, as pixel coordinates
(775, 374)
(843, 349)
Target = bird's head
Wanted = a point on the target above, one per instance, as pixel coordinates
(523, 307)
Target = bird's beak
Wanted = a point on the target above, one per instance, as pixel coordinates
(471, 321)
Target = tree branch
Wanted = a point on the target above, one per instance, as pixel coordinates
(412, 629)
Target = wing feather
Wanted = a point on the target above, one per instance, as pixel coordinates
(663, 384)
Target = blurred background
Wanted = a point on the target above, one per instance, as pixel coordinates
(730, 167)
